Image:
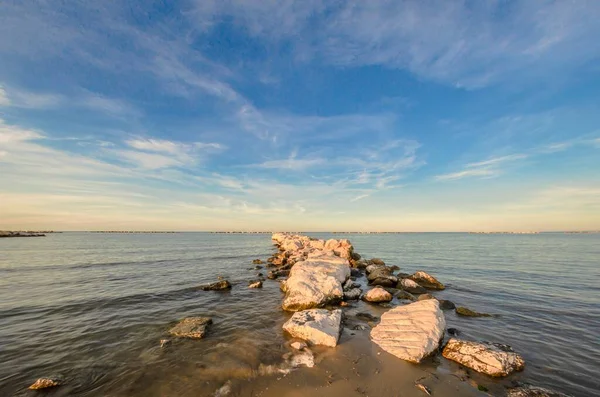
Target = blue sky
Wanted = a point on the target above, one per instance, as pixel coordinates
(301, 115)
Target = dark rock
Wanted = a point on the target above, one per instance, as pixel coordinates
(191, 327)
(425, 297)
(386, 305)
(394, 268)
(446, 304)
(272, 275)
(376, 261)
(532, 391)
(356, 256)
(355, 272)
(361, 264)
(453, 331)
(366, 316)
(259, 275)
(427, 280)
(463, 311)
(352, 294)
(401, 294)
(258, 267)
(385, 282)
(218, 286)
(257, 262)
(44, 383)
(402, 275)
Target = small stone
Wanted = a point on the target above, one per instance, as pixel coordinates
(255, 284)
(305, 358)
(44, 383)
(377, 261)
(298, 345)
(344, 304)
(218, 286)
(424, 297)
(377, 295)
(191, 327)
(463, 311)
(164, 342)
(352, 294)
(257, 262)
(403, 295)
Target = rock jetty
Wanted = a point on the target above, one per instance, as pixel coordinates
(318, 270)
(411, 332)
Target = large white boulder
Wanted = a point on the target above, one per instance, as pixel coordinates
(316, 326)
(315, 282)
(411, 332)
(493, 359)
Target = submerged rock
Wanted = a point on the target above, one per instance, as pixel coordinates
(164, 342)
(255, 284)
(257, 262)
(191, 327)
(463, 311)
(44, 383)
(218, 286)
(366, 316)
(411, 332)
(411, 286)
(316, 326)
(377, 294)
(492, 359)
(427, 280)
(532, 391)
(304, 358)
(453, 331)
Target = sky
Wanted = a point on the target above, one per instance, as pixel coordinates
(300, 115)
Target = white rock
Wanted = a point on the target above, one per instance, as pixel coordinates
(411, 332)
(493, 359)
(298, 345)
(305, 358)
(315, 282)
(378, 294)
(316, 326)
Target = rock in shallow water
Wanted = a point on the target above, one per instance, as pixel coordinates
(44, 383)
(377, 294)
(493, 359)
(463, 311)
(411, 332)
(316, 326)
(427, 280)
(218, 286)
(191, 327)
(532, 391)
(255, 284)
(446, 304)
(411, 286)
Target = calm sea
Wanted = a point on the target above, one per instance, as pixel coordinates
(93, 307)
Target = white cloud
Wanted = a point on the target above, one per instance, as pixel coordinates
(148, 160)
(4, 101)
(497, 160)
(10, 134)
(482, 42)
(467, 173)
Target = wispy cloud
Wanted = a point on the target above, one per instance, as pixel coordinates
(487, 168)
(291, 163)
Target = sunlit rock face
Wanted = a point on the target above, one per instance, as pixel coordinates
(411, 332)
(316, 326)
(492, 359)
